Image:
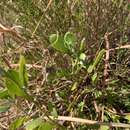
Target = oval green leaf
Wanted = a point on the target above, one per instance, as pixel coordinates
(57, 42)
(69, 39)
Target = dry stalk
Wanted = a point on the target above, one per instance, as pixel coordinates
(105, 74)
(121, 47)
(90, 122)
(28, 65)
(12, 31)
(48, 5)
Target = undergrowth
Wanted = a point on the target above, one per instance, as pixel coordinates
(62, 59)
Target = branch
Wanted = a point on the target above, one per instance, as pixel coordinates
(105, 74)
(27, 65)
(121, 47)
(12, 31)
(90, 122)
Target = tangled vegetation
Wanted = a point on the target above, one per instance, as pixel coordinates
(64, 64)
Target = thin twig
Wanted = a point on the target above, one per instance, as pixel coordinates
(121, 47)
(28, 65)
(48, 5)
(96, 106)
(105, 74)
(6, 62)
(3, 126)
(12, 31)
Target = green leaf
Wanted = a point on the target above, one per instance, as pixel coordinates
(4, 108)
(82, 45)
(94, 77)
(2, 72)
(63, 73)
(90, 68)
(14, 76)
(127, 117)
(74, 86)
(54, 113)
(50, 106)
(46, 126)
(69, 39)
(4, 93)
(53, 38)
(14, 85)
(128, 6)
(99, 57)
(113, 81)
(34, 124)
(14, 89)
(20, 78)
(81, 106)
(96, 61)
(22, 71)
(82, 56)
(103, 127)
(17, 123)
(57, 42)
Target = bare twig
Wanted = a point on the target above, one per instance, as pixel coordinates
(6, 62)
(48, 5)
(106, 60)
(27, 65)
(121, 47)
(3, 126)
(90, 122)
(12, 31)
(96, 106)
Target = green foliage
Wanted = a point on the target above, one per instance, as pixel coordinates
(63, 44)
(98, 57)
(23, 78)
(127, 117)
(74, 86)
(38, 124)
(17, 123)
(16, 81)
(94, 77)
(14, 76)
(54, 113)
(4, 93)
(67, 67)
(96, 61)
(14, 89)
(57, 42)
(81, 106)
(69, 40)
(104, 127)
(128, 7)
(82, 57)
(46, 126)
(4, 108)
(31, 125)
